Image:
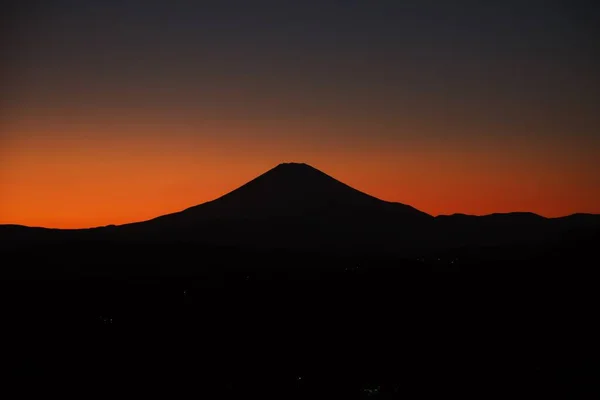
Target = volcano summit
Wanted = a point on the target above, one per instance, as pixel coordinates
(296, 206)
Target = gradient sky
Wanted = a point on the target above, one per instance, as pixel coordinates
(120, 111)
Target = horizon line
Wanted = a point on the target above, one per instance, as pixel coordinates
(304, 165)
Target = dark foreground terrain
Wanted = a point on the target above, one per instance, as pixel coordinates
(152, 318)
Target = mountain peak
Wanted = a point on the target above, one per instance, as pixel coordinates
(294, 176)
(292, 164)
(293, 189)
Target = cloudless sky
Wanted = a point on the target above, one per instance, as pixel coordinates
(119, 111)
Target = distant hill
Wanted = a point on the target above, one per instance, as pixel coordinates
(296, 206)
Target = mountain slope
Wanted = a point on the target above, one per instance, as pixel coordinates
(297, 206)
(291, 190)
(292, 205)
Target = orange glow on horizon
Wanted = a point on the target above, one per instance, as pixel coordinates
(85, 182)
(114, 114)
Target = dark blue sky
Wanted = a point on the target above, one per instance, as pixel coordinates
(513, 54)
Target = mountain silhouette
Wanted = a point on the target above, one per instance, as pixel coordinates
(292, 190)
(295, 205)
(291, 205)
(309, 267)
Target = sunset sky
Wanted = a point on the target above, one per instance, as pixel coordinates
(120, 111)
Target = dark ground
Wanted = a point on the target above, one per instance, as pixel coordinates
(223, 323)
